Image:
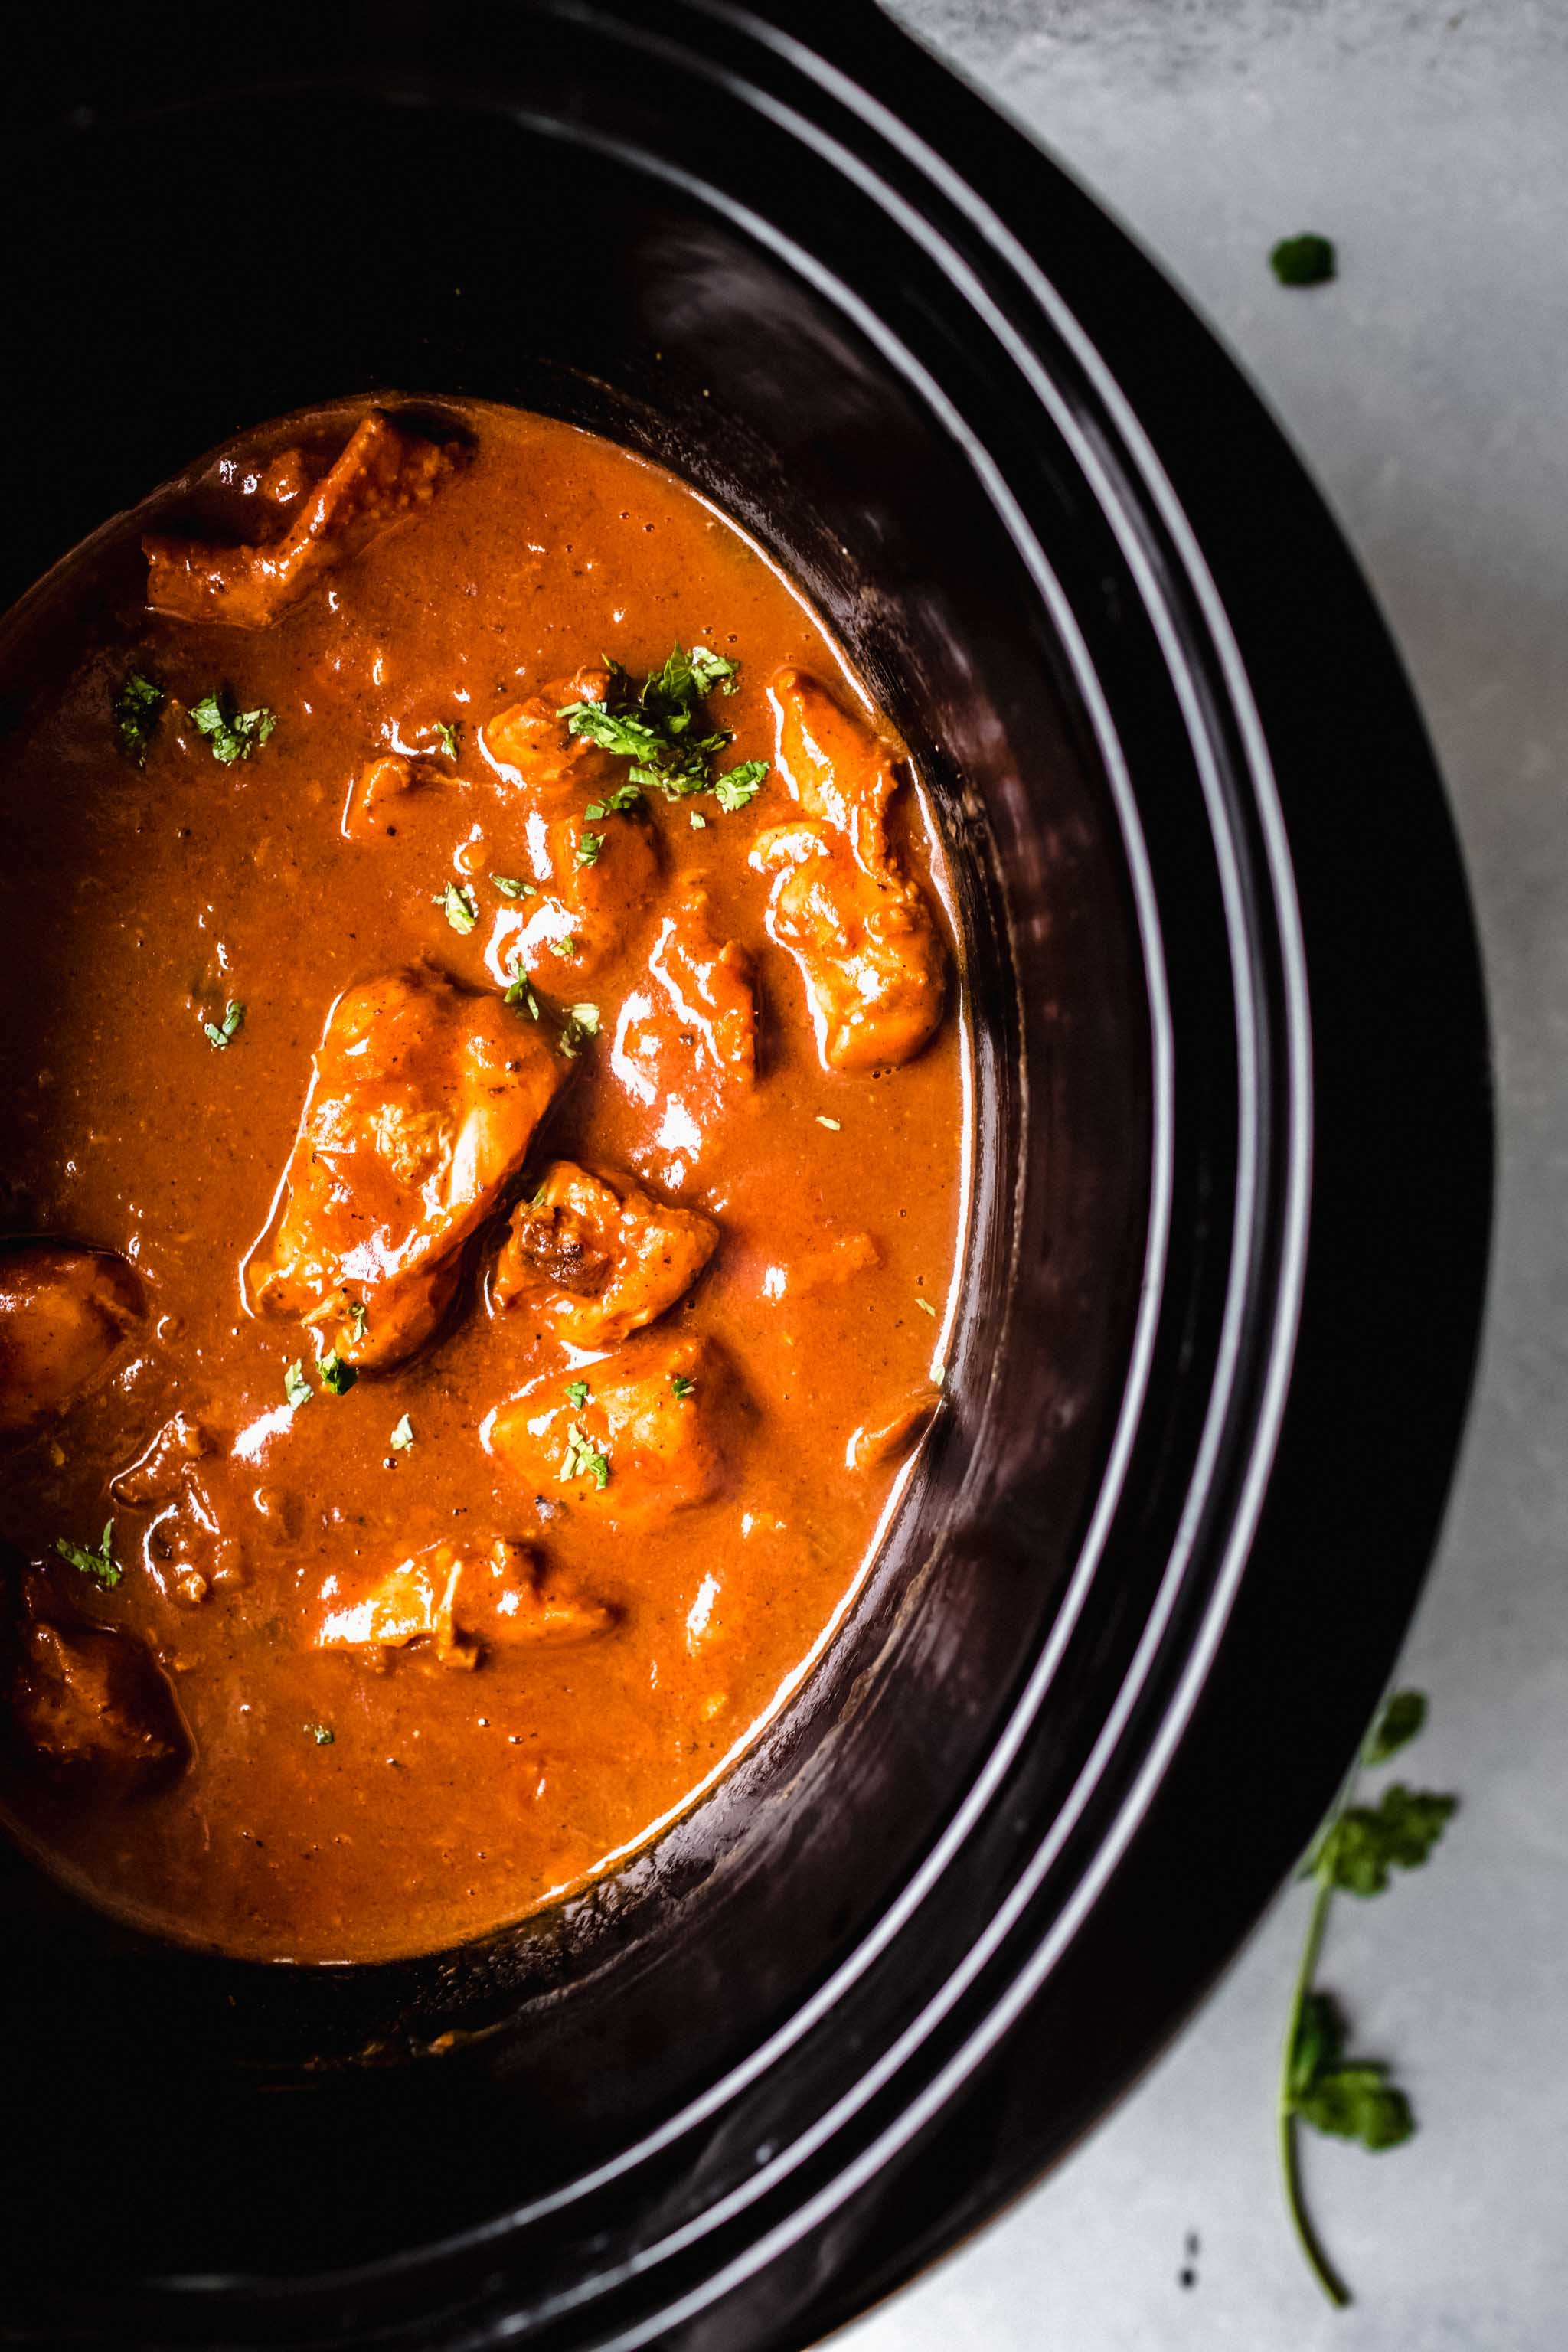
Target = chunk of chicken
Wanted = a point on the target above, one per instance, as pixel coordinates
(528, 744)
(584, 911)
(382, 474)
(64, 1314)
(645, 1432)
(422, 1103)
(368, 814)
(456, 1603)
(688, 1041)
(597, 1258)
(93, 1700)
(867, 949)
(860, 929)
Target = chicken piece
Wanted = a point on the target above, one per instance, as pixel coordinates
(421, 1108)
(382, 474)
(687, 1043)
(455, 1604)
(598, 1256)
(82, 1698)
(867, 946)
(64, 1314)
(837, 1256)
(158, 1472)
(647, 1432)
(839, 772)
(860, 929)
(528, 745)
(584, 911)
(367, 816)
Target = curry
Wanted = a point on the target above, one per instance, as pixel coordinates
(483, 1094)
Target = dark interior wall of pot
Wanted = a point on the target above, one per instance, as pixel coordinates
(270, 251)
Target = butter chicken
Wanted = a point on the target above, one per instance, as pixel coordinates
(482, 1093)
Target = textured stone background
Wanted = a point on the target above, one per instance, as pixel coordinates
(1428, 390)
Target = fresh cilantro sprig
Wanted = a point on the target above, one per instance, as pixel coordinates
(100, 1563)
(662, 728)
(136, 711)
(1354, 1852)
(231, 734)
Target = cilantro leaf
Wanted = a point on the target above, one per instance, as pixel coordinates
(1402, 1715)
(231, 734)
(521, 993)
(100, 1563)
(296, 1387)
(662, 729)
(683, 1386)
(459, 906)
(577, 1393)
(629, 737)
(321, 1733)
(220, 1033)
(625, 797)
(566, 945)
(582, 1022)
(1359, 2103)
(359, 1316)
(450, 733)
(583, 1459)
(511, 887)
(588, 847)
(136, 711)
(1359, 1849)
(402, 1436)
(1305, 260)
(337, 1374)
(740, 784)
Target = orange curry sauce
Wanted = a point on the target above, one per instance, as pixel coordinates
(493, 1348)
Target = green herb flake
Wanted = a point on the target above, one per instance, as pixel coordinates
(683, 1386)
(402, 1436)
(581, 1022)
(583, 1459)
(577, 1393)
(231, 734)
(359, 1316)
(566, 945)
(220, 1033)
(337, 1374)
(450, 732)
(521, 994)
(1305, 260)
(698, 822)
(1359, 1849)
(511, 886)
(100, 1563)
(661, 728)
(136, 711)
(321, 1733)
(459, 906)
(588, 847)
(738, 786)
(296, 1387)
(619, 802)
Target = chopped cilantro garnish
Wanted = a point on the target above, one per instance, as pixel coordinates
(1307, 260)
(511, 887)
(698, 822)
(100, 1563)
(450, 733)
(336, 1374)
(321, 1733)
(521, 993)
(219, 1033)
(588, 847)
(740, 784)
(683, 1386)
(582, 1022)
(359, 1316)
(577, 1393)
(402, 1435)
(136, 711)
(583, 1459)
(566, 945)
(616, 804)
(296, 1387)
(231, 734)
(459, 906)
(660, 726)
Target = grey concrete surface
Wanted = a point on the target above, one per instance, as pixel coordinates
(1428, 390)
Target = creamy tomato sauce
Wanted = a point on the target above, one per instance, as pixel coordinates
(482, 1185)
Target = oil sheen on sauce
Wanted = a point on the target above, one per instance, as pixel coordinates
(484, 1444)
